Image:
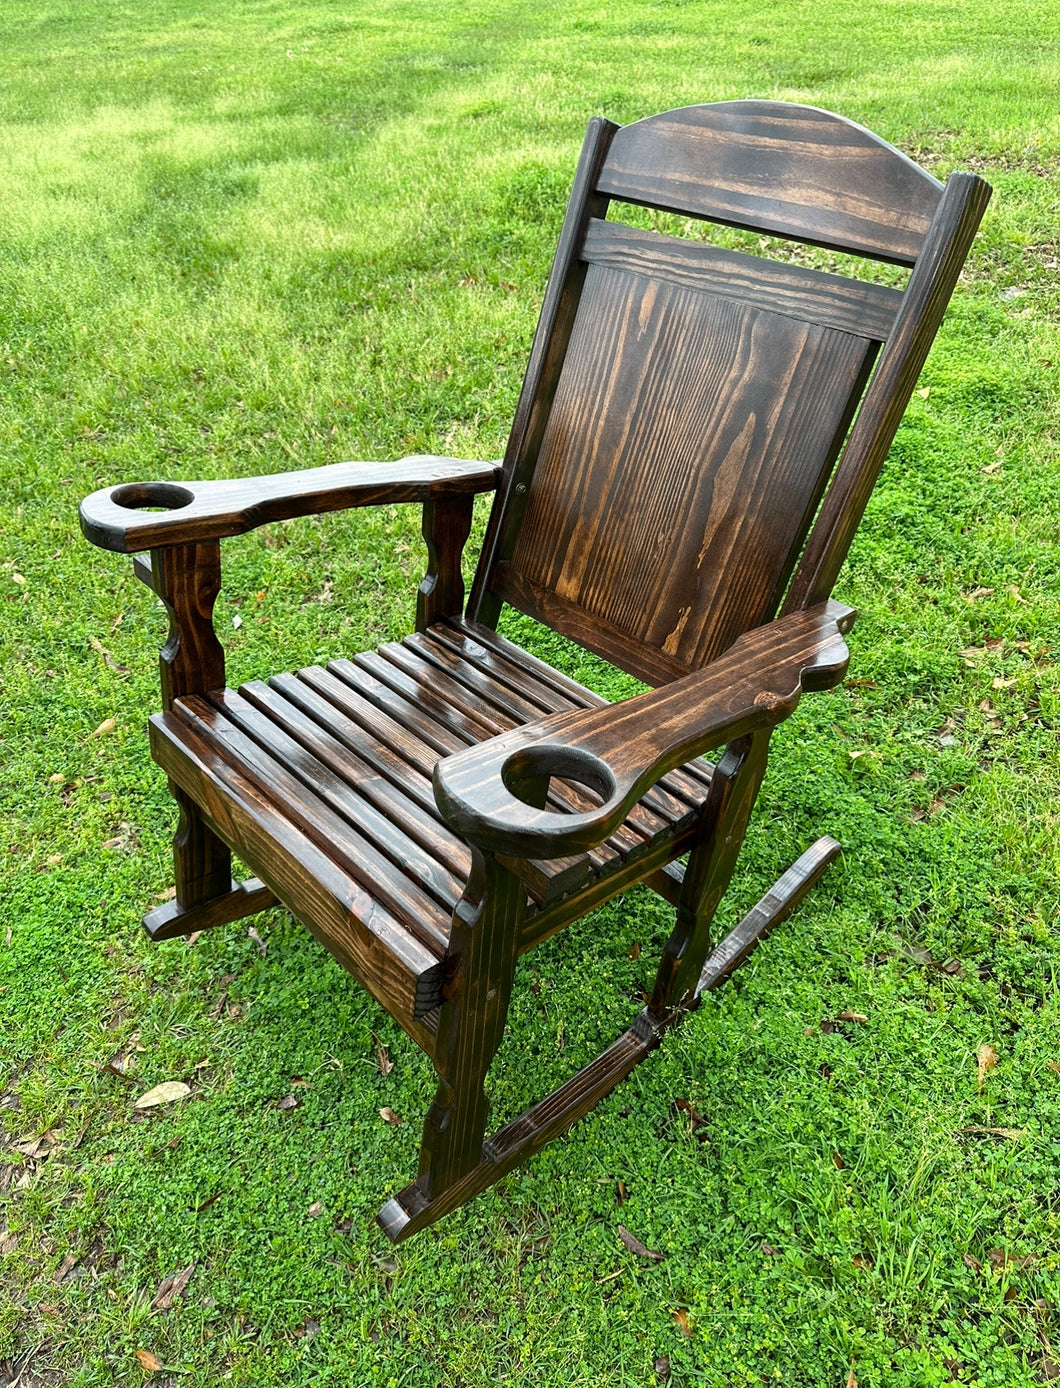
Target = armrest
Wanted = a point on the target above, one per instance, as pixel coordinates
(148, 515)
(618, 751)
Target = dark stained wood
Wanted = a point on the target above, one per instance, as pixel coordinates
(401, 973)
(187, 578)
(830, 301)
(792, 171)
(434, 809)
(618, 750)
(145, 515)
(927, 294)
(446, 526)
(669, 502)
(168, 921)
(546, 361)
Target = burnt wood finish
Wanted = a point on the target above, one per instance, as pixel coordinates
(697, 436)
(791, 171)
(144, 515)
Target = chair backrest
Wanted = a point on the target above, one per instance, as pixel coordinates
(685, 404)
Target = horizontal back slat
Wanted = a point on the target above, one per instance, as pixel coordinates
(785, 170)
(831, 301)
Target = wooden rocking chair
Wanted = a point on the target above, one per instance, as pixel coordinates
(670, 499)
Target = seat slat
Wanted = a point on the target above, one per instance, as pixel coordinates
(417, 911)
(830, 301)
(410, 675)
(333, 780)
(399, 790)
(326, 697)
(398, 970)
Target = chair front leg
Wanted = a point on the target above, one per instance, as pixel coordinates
(188, 579)
(733, 791)
(482, 953)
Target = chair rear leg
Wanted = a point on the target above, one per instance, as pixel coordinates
(733, 791)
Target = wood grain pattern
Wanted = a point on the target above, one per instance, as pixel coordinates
(830, 301)
(927, 294)
(118, 518)
(619, 750)
(787, 170)
(688, 444)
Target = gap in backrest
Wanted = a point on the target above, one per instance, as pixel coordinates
(776, 248)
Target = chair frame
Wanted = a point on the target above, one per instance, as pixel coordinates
(742, 681)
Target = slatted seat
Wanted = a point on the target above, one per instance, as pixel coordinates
(344, 758)
(698, 434)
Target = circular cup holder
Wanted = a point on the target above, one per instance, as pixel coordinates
(539, 764)
(152, 496)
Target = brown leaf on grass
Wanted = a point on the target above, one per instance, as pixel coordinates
(8, 1242)
(1053, 1065)
(167, 1093)
(862, 1260)
(288, 1102)
(388, 1115)
(662, 1366)
(973, 1263)
(695, 1118)
(1049, 1367)
(635, 1246)
(171, 1287)
(382, 1057)
(851, 1380)
(150, 1363)
(680, 1318)
(634, 950)
(262, 945)
(315, 1210)
(107, 726)
(621, 1193)
(838, 1161)
(770, 1251)
(1000, 1260)
(977, 593)
(985, 1059)
(67, 1265)
(849, 1016)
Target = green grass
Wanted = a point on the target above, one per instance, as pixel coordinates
(238, 239)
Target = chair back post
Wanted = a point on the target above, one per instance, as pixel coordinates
(558, 311)
(931, 283)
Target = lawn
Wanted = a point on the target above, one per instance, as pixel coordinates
(242, 238)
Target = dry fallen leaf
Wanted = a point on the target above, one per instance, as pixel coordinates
(973, 1263)
(977, 593)
(634, 950)
(315, 1210)
(171, 1287)
(838, 1161)
(621, 1193)
(851, 1380)
(107, 726)
(382, 1057)
(389, 1116)
(635, 1246)
(849, 1016)
(288, 1102)
(1053, 1065)
(662, 1366)
(263, 947)
(975, 1130)
(680, 1317)
(68, 1263)
(167, 1093)
(986, 1059)
(150, 1363)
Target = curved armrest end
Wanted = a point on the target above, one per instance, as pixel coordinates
(491, 794)
(146, 515)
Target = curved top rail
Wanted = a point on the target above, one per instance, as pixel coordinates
(782, 169)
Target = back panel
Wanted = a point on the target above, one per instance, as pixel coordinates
(685, 452)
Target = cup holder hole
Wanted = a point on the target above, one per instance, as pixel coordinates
(152, 496)
(527, 773)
